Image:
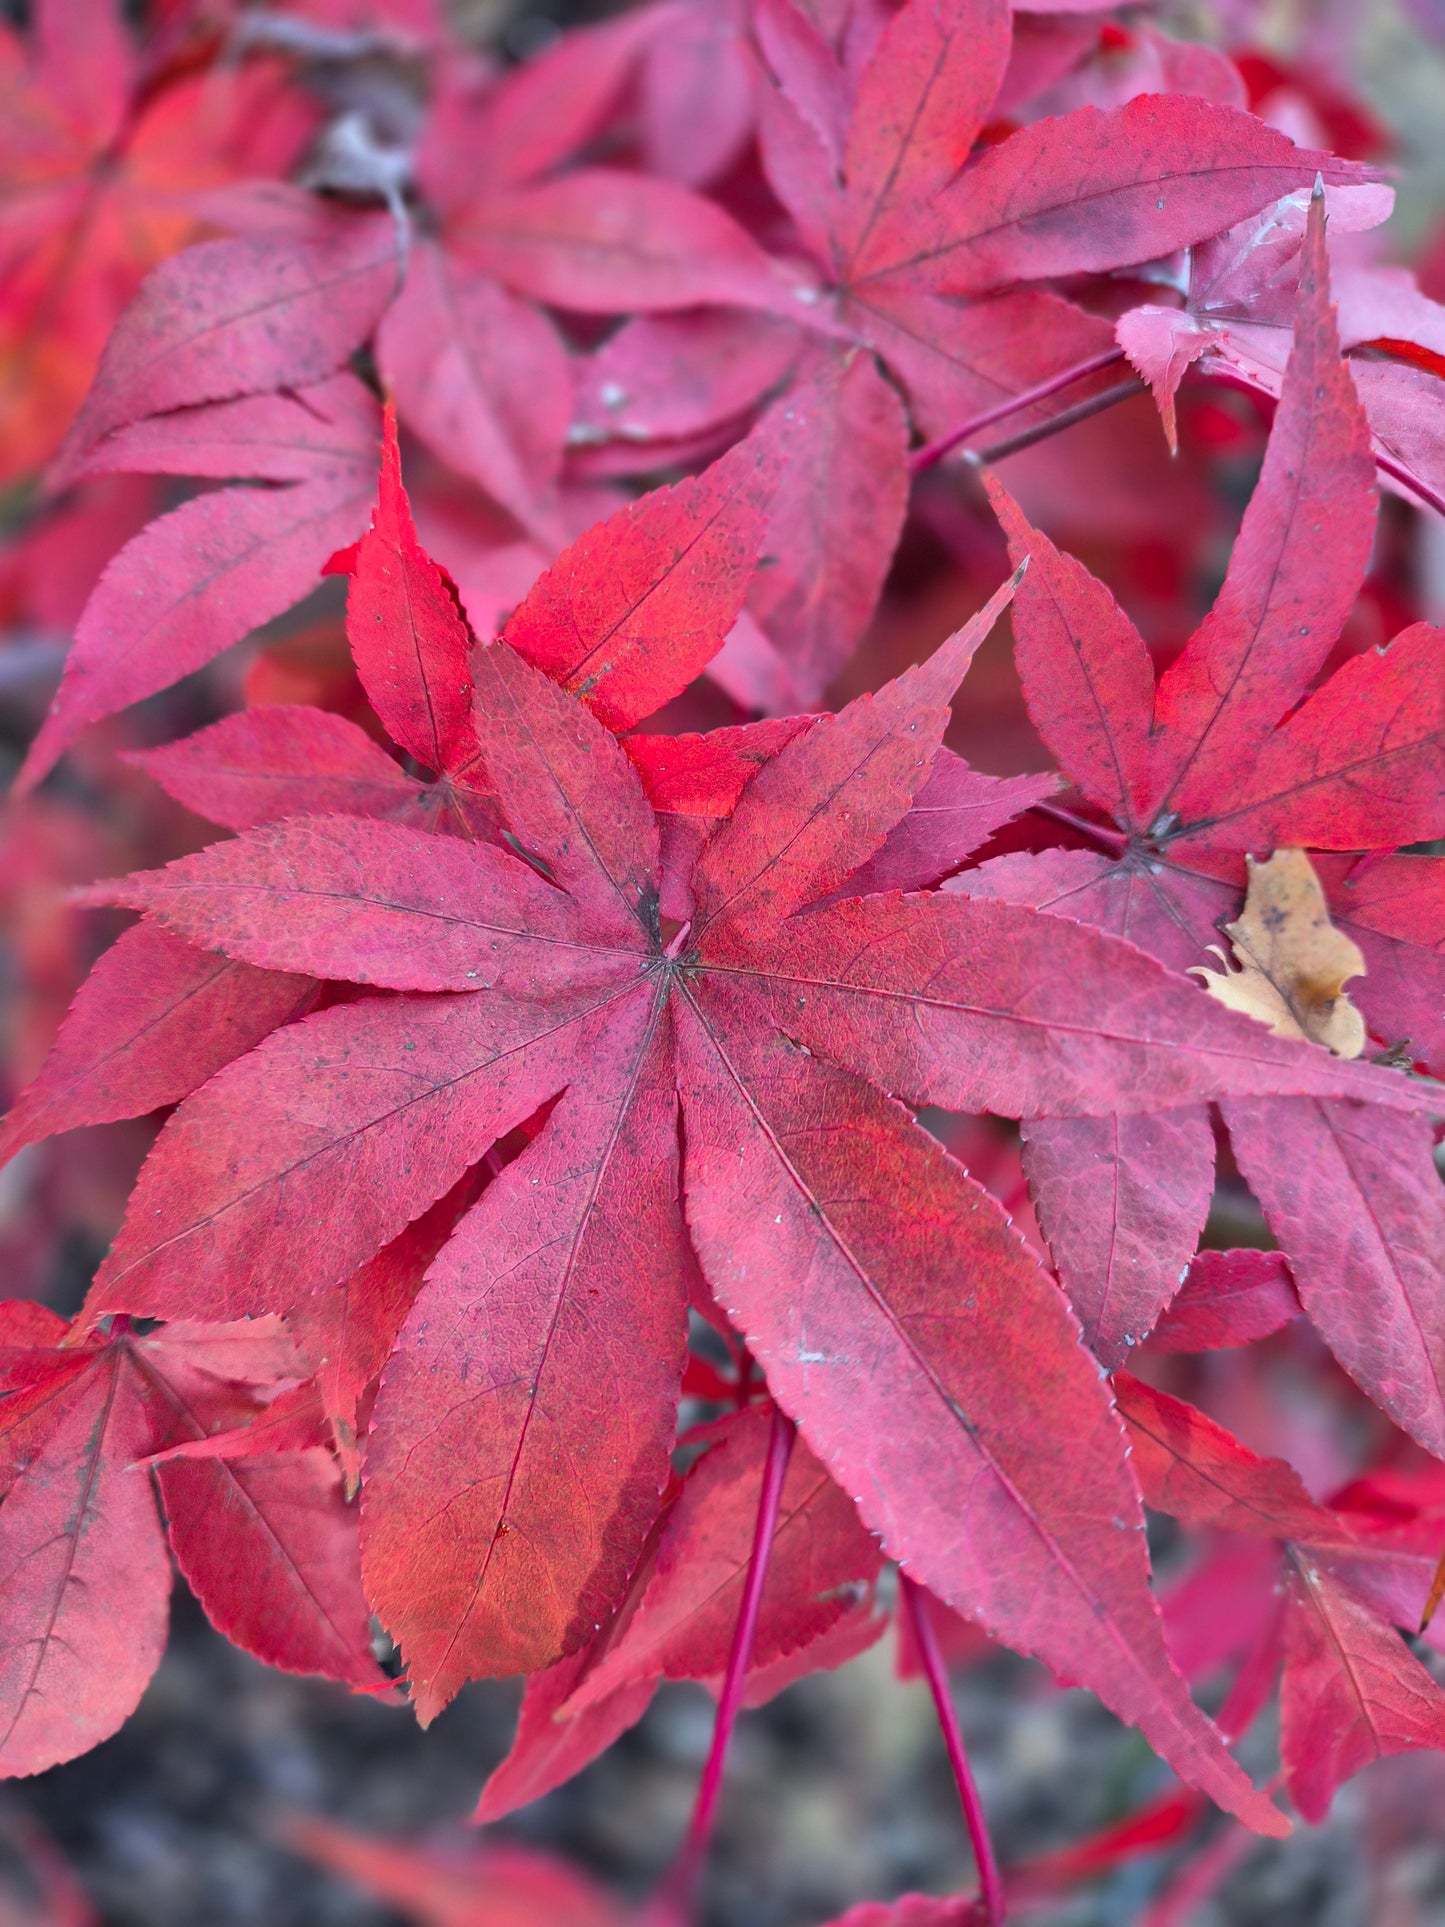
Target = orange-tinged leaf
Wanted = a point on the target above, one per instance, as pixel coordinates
(98, 190)
(821, 1561)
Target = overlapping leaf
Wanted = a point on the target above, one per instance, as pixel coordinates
(207, 573)
(870, 149)
(267, 1544)
(590, 1020)
(486, 1550)
(1239, 312)
(1352, 1690)
(1235, 752)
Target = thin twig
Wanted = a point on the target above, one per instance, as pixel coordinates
(1055, 425)
(675, 1897)
(934, 451)
(990, 1880)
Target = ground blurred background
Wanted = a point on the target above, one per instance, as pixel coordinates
(838, 1790)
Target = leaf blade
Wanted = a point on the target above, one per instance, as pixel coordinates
(958, 1487)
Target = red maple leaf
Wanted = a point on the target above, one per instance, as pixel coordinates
(1352, 1690)
(265, 1542)
(481, 375)
(201, 577)
(1234, 751)
(636, 608)
(1238, 315)
(817, 1610)
(870, 139)
(871, 168)
(1227, 1298)
(534, 1078)
(504, 1505)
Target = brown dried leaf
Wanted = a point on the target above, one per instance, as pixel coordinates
(1293, 963)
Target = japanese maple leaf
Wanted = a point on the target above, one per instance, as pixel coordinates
(224, 364)
(632, 612)
(1228, 1298)
(182, 390)
(464, 340)
(152, 1021)
(1352, 1690)
(679, 75)
(1238, 316)
(266, 1544)
(682, 1622)
(97, 164)
(346, 1334)
(595, 239)
(865, 142)
(1121, 62)
(200, 578)
(505, 1505)
(477, 368)
(1232, 753)
(873, 173)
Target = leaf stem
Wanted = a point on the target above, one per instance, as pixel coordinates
(933, 452)
(675, 1897)
(990, 1880)
(1056, 424)
(1398, 472)
(1387, 465)
(1107, 839)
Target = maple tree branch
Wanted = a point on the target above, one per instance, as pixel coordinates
(990, 1880)
(675, 1898)
(933, 452)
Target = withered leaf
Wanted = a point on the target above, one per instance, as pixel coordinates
(1293, 963)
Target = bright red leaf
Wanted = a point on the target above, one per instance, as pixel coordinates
(539, 1091)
